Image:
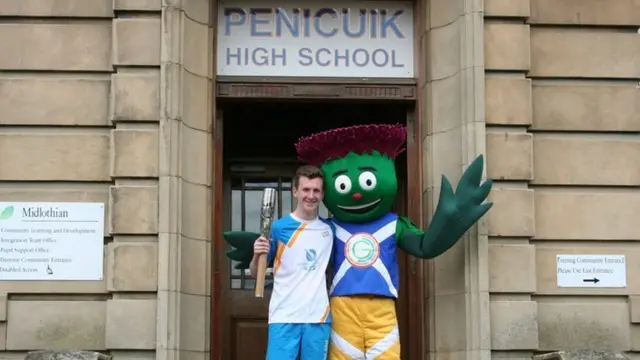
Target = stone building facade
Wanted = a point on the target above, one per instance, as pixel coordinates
(112, 101)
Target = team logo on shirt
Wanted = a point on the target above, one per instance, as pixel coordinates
(311, 257)
(362, 250)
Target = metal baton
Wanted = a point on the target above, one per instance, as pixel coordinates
(267, 211)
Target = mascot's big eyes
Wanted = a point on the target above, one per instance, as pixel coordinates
(343, 184)
(367, 180)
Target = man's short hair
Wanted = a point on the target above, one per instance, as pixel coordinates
(308, 171)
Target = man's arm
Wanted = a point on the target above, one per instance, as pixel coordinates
(253, 266)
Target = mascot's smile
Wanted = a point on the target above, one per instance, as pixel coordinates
(360, 209)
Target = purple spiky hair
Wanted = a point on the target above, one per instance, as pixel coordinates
(360, 139)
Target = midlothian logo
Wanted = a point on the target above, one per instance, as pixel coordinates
(6, 213)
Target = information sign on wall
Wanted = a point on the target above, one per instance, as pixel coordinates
(302, 38)
(51, 241)
(591, 271)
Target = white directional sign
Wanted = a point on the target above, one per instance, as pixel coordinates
(591, 271)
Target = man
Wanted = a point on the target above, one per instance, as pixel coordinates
(300, 248)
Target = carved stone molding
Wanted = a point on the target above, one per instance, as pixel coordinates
(316, 91)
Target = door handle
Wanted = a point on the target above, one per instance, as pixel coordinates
(414, 266)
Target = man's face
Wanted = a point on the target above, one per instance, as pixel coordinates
(309, 193)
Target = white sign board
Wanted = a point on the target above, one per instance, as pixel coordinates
(591, 271)
(302, 38)
(51, 241)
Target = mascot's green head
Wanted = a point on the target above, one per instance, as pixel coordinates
(359, 172)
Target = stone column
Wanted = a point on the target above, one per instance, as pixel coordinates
(185, 180)
(454, 135)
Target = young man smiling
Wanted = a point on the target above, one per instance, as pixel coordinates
(300, 248)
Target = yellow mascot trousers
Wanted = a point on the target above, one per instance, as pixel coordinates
(364, 328)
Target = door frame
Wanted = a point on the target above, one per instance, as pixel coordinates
(411, 90)
(415, 282)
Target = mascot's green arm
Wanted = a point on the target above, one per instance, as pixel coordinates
(455, 214)
(422, 245)
(242, 251)
(440, 236)
(410, 238)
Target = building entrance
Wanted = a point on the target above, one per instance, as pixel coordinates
(257, 145)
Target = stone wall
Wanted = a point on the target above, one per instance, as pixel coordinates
(562, 140)
(92, 108)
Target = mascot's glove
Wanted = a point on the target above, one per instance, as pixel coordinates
(242, 251)
(455, 214)
(464, 208)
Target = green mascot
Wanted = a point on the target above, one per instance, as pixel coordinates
(360, 186)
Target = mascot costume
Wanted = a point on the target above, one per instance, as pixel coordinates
(360, 190)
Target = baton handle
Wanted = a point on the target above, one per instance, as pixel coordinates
(262, 273)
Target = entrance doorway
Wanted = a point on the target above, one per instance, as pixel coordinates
(257, 145)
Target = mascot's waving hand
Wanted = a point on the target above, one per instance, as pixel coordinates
(360, 190)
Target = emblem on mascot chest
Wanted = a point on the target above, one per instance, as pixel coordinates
(361, 250)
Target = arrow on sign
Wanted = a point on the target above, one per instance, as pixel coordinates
(594, 280)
